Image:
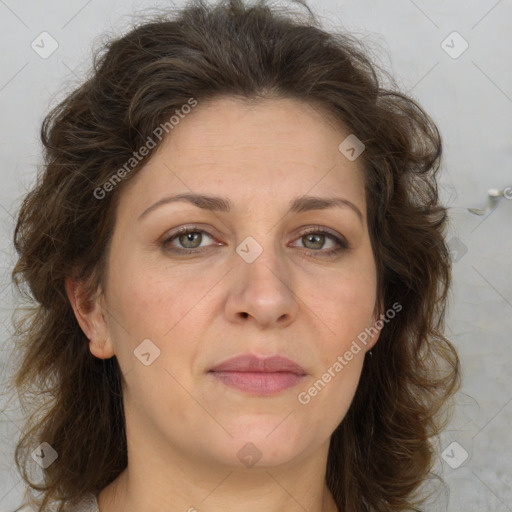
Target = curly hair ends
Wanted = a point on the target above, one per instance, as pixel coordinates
(383, 449)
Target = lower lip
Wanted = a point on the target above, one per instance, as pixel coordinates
(259, 383)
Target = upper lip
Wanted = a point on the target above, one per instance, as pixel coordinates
(252, 363)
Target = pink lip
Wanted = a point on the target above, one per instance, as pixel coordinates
(261, 376)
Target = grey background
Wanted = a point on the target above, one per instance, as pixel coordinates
(470, 98)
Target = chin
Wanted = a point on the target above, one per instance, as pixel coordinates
(260, 444)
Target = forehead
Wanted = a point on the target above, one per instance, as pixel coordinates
(270, 148)
(249, 126)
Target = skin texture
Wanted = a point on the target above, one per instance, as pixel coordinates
(184, 427)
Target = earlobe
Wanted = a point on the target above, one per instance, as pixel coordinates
(90, 316)
(102, 348)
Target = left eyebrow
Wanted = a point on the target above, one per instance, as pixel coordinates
(223, 204)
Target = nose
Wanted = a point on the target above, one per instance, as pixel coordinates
(262, 292)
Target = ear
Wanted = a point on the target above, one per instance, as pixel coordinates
(89, 313)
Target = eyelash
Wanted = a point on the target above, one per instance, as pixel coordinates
(330, 253)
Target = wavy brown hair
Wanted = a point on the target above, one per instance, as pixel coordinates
(383, 449)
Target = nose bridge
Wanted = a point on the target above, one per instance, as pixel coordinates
(263, 287)
(262, 263)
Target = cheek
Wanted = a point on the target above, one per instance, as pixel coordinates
(154, 303)
(344, 307)
(172, 312)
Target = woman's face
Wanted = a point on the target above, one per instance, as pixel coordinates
(246, 280)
